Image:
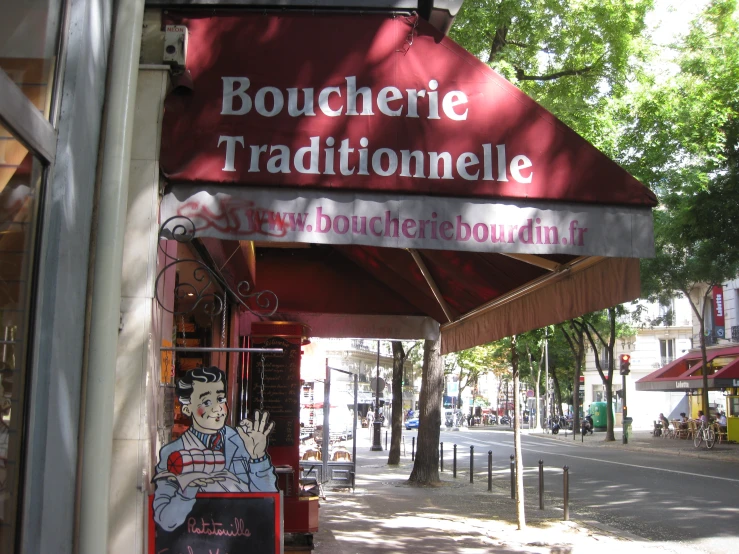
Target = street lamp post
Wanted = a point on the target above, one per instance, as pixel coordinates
(377, 424)
(546, 376)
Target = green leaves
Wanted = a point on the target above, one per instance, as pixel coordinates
(569, 56)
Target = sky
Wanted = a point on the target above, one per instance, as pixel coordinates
(671, 18)
(668, 22)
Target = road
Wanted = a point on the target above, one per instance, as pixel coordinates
(660, 497)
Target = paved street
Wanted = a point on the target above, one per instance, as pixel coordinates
(653, 494)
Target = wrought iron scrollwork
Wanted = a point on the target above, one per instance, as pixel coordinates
(203, 289)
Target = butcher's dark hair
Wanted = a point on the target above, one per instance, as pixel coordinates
(184, 387)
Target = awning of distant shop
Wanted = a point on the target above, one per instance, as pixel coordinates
(394, 187)
(686, 373)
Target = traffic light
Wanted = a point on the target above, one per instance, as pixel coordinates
(625, 363)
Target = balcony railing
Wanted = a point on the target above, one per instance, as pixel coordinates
(711, 339)
(667, 359)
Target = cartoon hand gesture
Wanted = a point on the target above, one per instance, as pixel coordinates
(255, 433)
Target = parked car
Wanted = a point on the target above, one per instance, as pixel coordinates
(412, 423)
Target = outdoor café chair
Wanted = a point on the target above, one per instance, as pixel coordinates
(720, 432)
(692, 429)
(312, 454)
(677, 431)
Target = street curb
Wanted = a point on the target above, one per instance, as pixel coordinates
(613, 531)
(687, 453)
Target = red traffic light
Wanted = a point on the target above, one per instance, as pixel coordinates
(625, 363)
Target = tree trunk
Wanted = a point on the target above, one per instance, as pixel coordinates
(426, 466)
(557, 395)
(704, 371)
(397, 406)
(576, 342)
(704, 357)
(520, 510)
(609, 384)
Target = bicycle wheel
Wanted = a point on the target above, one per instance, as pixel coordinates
(710, 438)
(698, 438)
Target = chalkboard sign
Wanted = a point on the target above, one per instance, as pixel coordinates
(226, 523)
(281, 386)
(284, 432)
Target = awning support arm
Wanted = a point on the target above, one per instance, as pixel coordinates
(432, 284)
(202, 288)
(532, 259)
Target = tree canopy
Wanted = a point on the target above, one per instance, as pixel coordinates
(683, 141)
(571, 57)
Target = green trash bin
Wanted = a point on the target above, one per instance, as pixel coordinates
(627, 427)
(599, 412)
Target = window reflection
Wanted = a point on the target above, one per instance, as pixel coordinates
(20, 178)
(29, 31)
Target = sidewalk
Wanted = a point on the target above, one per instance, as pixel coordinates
(643, 441)
(386, 515)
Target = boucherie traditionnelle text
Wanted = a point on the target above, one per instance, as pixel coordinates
(345, 156)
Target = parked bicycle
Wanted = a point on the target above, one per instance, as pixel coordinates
(704, 433)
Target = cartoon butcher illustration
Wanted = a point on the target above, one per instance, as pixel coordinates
(210, 456)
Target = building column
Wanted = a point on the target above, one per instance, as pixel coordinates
(142, 328)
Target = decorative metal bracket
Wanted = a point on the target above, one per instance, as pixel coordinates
(202, 289)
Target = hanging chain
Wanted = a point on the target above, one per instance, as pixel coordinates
(223, 322)
(261, 388)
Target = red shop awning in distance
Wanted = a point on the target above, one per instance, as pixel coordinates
(686, 372)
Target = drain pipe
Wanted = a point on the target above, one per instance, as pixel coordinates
(105, 302)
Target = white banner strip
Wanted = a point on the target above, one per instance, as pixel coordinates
(421, 222)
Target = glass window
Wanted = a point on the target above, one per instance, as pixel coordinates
(734, 406)
(29, 31)
(667, 313)
(20, 179)
(666, 350)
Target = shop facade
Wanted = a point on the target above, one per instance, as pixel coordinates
(685, 376)
(355, 192)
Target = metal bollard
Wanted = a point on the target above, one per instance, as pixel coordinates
(490, 470)
(567, 492)
(541, 484)
(385, 440)
(441, 457)
(413, 450)
(513, 479)
(472, 463)
(454, 466)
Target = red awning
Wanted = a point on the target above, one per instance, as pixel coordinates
(388, 184)
(685, 373)
(368, 102)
